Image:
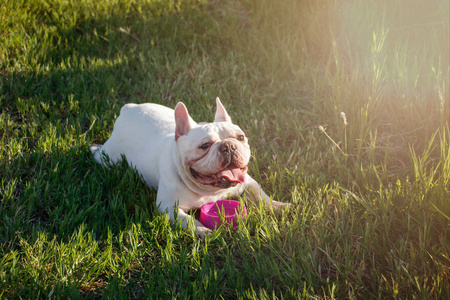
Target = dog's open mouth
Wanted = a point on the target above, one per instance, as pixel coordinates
(228, 177)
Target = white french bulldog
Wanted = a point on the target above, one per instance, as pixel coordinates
(189, 164)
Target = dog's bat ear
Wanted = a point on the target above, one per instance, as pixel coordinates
(182, 120)
(221, 113)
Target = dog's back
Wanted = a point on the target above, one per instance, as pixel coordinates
(137, 134)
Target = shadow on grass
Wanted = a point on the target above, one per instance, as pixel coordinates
(89, 60)
(57, 193)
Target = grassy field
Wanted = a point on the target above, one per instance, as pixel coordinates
(346, 105)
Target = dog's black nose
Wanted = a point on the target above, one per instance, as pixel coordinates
(227, 147)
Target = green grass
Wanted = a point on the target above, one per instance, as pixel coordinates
(372, 216)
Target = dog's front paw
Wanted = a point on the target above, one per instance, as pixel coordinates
(287, 206)
(281, 205)
(202, 231)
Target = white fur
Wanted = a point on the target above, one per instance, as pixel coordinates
(162, 144)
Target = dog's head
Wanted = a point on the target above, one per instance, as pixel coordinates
(211, 155)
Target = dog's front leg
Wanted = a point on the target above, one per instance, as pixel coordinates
(184, 218)
(255, 192)
(169, 207)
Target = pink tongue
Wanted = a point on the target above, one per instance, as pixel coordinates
(232, 174)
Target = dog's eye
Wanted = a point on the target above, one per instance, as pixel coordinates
(241, 138)
(205, 146)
